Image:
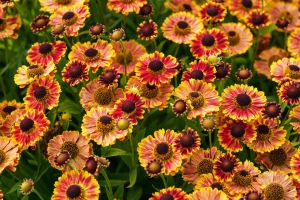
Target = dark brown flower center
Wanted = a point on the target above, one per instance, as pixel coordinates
(40, 92)
(108, 77)
(63, 2)
(233, 38)
(71, 148)
(182, 24)
(45, 48)
(258, 19)
(9, 109)
(187, 140)
(263, 129)
(179, 106)
(227, 165)
(274, 191)
(145, 10)
(208, 40)
(272, 110)
(243, 100)
(2, 156)
(128, 106)
(187, 7)
(197, 74)
(294, 68)
(163, 151)
(242, 178)
(26, 124)
(105, 120)
(124, 57)
(147, 30)
(149, 91)
(91, 52)
(74, 191)
(278, 157)
(212, 11)
(91, 165)
(205, 166)
(197, 100)
(282, 23)
(293, 92)
(253, 196)
(68, 15)
(216, 185)
(237, 130)
(166, 197)
(156, 65)
(75, 70)
(62, 158)
(2, 24)
(247, 3)
(103, 96)
(154, 167)
(221, 72)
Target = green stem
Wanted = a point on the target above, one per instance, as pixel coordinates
(164, 180)
(38, 194)
(210, 139)
(125, 61)
(68, 42)
(176, 50)
(110, 196)
(132, 149)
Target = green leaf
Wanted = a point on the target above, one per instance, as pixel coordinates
(119, 192)
(25, 197)
(70, 107)
(116, 152)
(132, 177)
(267, 29)
(134, 193)
(14, 188)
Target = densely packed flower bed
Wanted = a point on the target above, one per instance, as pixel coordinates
(150, 99)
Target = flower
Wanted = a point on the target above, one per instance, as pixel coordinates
(200, 70)
(293, 42)
(153, 95)
(295, 163)
(125, 7)
(269, 136)
(8, 107)
(97, 30)
(94, 94)
(209, 181)
(225, 166)
(201, 162)
(258, 19)
(99, 125)
(9, 25)
(169, 193)
(43, 94)
(156, 68)
(200, 96)
(272, 110)
(182, 5)
(127, 56)
(76, 185)
(234, 133)
(131, 106)
(27, 186)
(212, 12)
(266, 58)
(188, 142)
(285, 68)
(67, 151)
(289, 92)
(26, 75)
(239, 38)
(244, 179)
(75, 72)
(223, 70)
(241, 8)
(95, 55)
(243, 74)
(109, 78)
(285, 16)
(9, 153)
(29, 128)
(209, 42)
(53, 5)
(181, 27)
(295, 116)
(40, 23)
(208, 194)
(72, 18)
(147, 30)
(46, 53)
(94, 164)
(277, 159)
(161, 147)
(276, 185)
(242, 102)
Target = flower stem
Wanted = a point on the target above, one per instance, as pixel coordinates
(164, 180)
(125, 61)
(108, 183)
